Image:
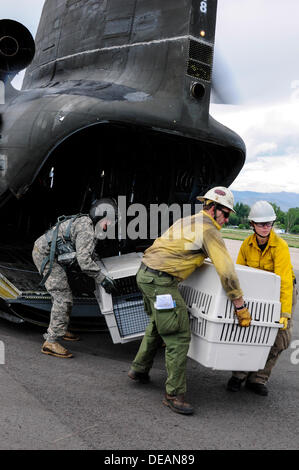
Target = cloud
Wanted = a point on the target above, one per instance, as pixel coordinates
(271, 135)
(269, 175)
(275, 127)
(265, 148)
(259, 41)
(278, 134)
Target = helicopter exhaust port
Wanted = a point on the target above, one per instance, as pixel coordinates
(17, 47)
(198, 90)
(9, 46)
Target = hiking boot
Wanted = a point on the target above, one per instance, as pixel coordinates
(258, 388)
(70, 337)
(141, 377)
(176, 403)
(55, 349)
(234, 384)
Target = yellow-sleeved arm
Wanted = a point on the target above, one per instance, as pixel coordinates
(283, 268)
(217, 252)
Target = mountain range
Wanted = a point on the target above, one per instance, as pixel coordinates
(283, 199)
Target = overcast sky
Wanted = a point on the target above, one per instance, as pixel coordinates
(257, 43)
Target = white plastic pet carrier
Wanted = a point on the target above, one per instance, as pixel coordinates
(217, 339)
(124, 312)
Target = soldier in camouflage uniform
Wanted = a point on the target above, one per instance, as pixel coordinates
(82, 234)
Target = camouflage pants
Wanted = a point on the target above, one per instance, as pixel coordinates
(281, 343)
(62, 300)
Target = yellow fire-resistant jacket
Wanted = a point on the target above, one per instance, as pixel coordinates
(184, 247)
(276, 259)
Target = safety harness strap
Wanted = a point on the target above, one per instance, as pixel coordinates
(53, 241)
(50, 258)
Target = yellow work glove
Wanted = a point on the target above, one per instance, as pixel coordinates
(284, 321)
(244, 317)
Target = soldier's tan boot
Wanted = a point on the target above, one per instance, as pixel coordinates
(70, 336)
(55, 349)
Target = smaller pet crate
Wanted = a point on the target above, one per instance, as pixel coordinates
(124, 311)
(217, 340)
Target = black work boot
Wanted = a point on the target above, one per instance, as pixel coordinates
(141, 377)
(234, 384)
(177, 403)
(258, 388)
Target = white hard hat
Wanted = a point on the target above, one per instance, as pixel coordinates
(221, 195)
(262, 211)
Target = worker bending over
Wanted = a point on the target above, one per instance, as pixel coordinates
(171, 259)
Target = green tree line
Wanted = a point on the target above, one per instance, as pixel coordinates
(288, 221)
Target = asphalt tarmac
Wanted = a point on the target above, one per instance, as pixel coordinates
(89, 403)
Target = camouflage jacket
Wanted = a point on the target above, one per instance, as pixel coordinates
(82, 236)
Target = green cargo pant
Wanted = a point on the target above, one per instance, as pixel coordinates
(169, 326)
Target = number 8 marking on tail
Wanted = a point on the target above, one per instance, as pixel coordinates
(203, 7)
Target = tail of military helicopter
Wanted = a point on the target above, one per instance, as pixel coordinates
(114, 102)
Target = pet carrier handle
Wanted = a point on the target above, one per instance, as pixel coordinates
(195, 311)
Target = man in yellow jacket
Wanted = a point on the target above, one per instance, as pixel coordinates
(266, 250)
(172, 258)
